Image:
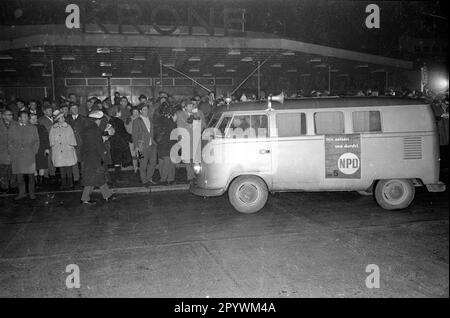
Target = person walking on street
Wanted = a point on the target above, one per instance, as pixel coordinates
(63, 142)
(23, 144)
(93, 155)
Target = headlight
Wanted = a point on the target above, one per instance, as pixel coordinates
(197, 168)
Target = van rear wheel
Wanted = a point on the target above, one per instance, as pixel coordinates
(394, 194)
(248, 194)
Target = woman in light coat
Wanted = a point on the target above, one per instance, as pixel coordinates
(63, 142)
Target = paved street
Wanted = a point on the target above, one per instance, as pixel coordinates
(178, 245)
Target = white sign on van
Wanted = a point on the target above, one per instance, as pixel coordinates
(348, 163)
(343, 156)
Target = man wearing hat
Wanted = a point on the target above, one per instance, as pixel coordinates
(93, 155)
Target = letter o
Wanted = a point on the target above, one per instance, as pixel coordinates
(174, 14)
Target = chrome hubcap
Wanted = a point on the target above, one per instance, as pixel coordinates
(248, 193)
(394, 192)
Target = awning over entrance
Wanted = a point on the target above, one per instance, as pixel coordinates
(93, 54)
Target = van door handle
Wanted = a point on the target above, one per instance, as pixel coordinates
(264, 151)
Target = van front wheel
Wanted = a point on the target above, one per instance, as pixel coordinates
(394, 194)
(248, 194)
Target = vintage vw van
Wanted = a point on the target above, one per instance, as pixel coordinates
(377, 146)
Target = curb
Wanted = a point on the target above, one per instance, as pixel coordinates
(130, 190)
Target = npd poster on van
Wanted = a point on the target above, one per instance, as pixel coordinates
(343, 156)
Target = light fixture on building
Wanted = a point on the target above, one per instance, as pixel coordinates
(104, 50)
(362, 66)
(194, 59)
(138, 58)
(194, 70)
(315, 60)
(288, 53)
(106, 74)
(230, 70)
(6, 57)
(207, 75)
(276, 65)
(219, 65)
(36, 64)
(178, 49)
(136, 71)
(234, 52)
(171, 64)
(68, 58)
(9, 70)
(37, 50)
(105, 64)
(319, 66)
(247, 59)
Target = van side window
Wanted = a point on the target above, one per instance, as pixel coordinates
(329, 123)
(291, 124)
(248, 126)
(366, 121)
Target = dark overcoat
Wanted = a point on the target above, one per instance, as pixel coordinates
(163, 129)
(77, 126)
(23, 144)
(44, 144)
(93, 154)
(120, 149)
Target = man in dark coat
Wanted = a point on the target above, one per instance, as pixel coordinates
(77, 122)
(23, 145)
(93, 154)
(119, 142)
(164, 124)
(47, 121)
(44, 148)
(5, 157)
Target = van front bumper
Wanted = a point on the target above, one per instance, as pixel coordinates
(194, 189)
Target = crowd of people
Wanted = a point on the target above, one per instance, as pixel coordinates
(40, 140)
